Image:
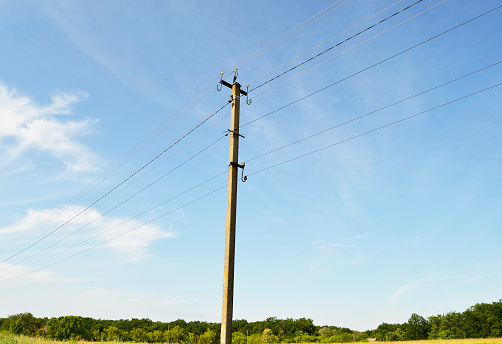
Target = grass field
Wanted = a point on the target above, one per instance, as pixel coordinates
(7, 338)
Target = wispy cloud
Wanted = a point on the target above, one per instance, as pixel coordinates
(105, 48)
(341, 253)
(27, 127)
(13, 274)
(405, 290)
(324, 245)
(130, 238)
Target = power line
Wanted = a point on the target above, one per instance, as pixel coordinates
(281, 163)
(373, 130)
(170, 156)
(103, 176)
(375, 111)
(346, 51)
(131, 197)
(278, 41)
(109, 171)
(373, 65)
(319, 45)
(122, 234)
(336, 45)
(115, 187)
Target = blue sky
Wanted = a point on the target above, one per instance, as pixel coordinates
(403, 220)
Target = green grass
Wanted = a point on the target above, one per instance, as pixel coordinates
(9, 338)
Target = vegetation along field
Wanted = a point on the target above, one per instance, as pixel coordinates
(478, 324)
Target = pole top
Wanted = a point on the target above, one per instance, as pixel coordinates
(223, 82)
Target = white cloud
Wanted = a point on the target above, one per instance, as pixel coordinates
(129, 237)
(27, 126)
(323, 245)
(14, 274)
(133, 237)
(106, 48)
(338, 253)
(405, 290)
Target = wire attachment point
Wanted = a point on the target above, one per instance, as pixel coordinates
(248, 101)
(243, 177)
(235, 74)
(220, 84)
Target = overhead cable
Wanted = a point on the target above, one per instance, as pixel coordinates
(338, 44)
(373, 65)
(115, 187)
(117, 236)
(319, 45)
(374, 111)
(373, 130)
(278, 40)
(128, 199)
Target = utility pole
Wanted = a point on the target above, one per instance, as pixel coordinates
(233, 168)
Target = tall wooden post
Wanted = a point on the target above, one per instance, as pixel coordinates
(233, 169)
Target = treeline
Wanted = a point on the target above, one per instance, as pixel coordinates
(480, 321)
(484, 320)
(271, 330)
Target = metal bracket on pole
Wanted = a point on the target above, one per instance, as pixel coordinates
(234, 132)
(229, 85)
(243, 177)
(219, 88)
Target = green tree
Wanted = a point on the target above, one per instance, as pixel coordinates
(435, 324)
(418, 328)
(268, 336)
(208, 337)
(23, 323)
(67, 327)
(111, 333)
(326, 331)
(452, 326)
(238, 338)
(306, 325)
(138, 334)
(174, 335)
(254, 338)
(383, 329)
(397, 335)
(192, 339)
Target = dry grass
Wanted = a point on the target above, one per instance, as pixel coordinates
(453, 341)
(7, 338)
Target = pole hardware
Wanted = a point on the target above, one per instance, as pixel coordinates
(233, 172)
(236, 164)
(234, 132)
(219, 88)
(243, 177)
(248, 100)
(229, 85)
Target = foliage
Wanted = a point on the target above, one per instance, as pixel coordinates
(484, 320)
(480, 321)
(22, 323)
(208, 337)
(67, 327)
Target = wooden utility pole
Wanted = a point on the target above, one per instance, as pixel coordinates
(233, 169)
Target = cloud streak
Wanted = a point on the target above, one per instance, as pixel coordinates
(27, 127)
(130, 238)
